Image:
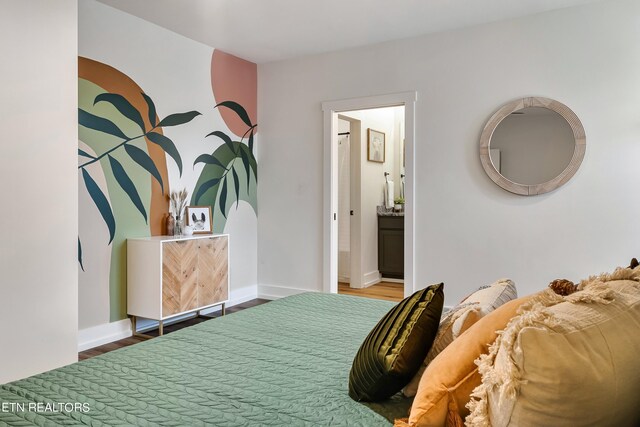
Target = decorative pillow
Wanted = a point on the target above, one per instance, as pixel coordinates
(494, 295)
(572, 363)
(448, 381)
(460, 318)
(392, 352)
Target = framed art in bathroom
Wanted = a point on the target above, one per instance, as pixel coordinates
(375, 146)
(199, 217)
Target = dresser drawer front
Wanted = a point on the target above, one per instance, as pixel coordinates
(195, 273)
(213, 271)
(179, 277)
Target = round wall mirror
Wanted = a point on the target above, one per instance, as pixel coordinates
(532, 146)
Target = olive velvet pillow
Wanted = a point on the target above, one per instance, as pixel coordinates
(393, 351)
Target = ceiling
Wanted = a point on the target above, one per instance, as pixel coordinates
(270, 30)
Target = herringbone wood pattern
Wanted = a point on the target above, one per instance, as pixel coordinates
(213, 271)
(179, 277)
(194, 274)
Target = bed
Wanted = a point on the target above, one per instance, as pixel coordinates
(284, 363)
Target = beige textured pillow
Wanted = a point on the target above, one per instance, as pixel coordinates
(568, 361)
(460, 318)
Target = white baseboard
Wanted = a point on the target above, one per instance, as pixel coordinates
(271, 292)
(243, 295)
(368, 279)
(237, 297)
(344, 279)
(390, 280)
(371, 278)
(114, 331)
(103, 334)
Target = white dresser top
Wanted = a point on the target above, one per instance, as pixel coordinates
(177, 238)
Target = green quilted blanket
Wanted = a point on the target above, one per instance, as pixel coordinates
(284, 363)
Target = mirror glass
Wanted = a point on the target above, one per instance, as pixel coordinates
(532, 145)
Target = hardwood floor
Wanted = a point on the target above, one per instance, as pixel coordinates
(167, 329)
(384, 290)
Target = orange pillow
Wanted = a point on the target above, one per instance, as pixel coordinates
(447, 383)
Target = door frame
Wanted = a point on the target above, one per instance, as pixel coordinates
(355, 197)
(330, 110)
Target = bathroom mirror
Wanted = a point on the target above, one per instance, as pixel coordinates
(532, 145)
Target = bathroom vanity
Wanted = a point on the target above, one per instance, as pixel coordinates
(391, 244)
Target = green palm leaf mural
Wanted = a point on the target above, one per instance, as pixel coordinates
(142, 158)
(123, 106)
(127, 185)
(230, 173)
(238, 109)
(80, 254)
(101, 124)
(101, 202)
(167, 145)
(121, 152)
(127, 153)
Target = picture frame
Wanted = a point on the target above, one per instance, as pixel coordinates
(375, 146)
(200, 219)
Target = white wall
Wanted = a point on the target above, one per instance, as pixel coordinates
(38, 249)
(468, 230)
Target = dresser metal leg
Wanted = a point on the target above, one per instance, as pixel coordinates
(160, 328)
(134, 328)
(223, 309)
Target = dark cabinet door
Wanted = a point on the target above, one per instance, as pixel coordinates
(391, 247)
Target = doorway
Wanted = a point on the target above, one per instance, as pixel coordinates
(370, 181)
(333, 112)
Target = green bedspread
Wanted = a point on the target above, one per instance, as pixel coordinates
(284, 363)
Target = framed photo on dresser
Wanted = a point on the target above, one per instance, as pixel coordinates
(199, 218)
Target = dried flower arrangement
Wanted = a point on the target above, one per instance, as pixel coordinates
(178, 201)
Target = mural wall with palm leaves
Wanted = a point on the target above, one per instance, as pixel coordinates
(230, 173)
(121, 144)
(122, 165)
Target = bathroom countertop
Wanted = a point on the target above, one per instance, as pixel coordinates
(382, 211)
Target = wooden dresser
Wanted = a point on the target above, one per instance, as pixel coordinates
(170, 276)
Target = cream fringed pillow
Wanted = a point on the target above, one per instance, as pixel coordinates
(448, 381)
(567, 361)
(462, 317)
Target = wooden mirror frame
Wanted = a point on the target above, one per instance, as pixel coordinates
(545, 187)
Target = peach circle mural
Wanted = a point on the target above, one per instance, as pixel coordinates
(234, 79)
